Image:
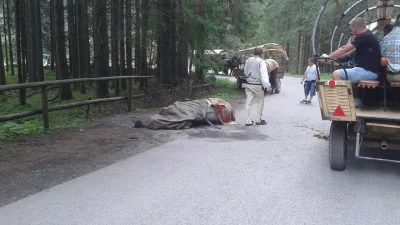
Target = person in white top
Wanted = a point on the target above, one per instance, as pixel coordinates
(310, 76)
(256, 73)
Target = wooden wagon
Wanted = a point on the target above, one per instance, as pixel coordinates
(271, 51)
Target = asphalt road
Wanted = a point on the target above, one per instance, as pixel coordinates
(274, 174)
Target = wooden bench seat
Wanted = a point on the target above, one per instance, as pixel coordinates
(394, 84)
(393, 79)
(368, 83)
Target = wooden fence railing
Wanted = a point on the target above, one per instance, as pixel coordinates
(46, 109)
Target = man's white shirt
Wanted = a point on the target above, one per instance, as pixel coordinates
(256, 72)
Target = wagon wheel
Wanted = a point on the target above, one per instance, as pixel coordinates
(278, 85)
(338, 145)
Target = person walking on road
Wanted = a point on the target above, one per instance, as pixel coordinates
(310, 76)
(257, 79)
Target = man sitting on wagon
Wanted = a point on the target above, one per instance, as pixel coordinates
(390, 49)
(367, 56)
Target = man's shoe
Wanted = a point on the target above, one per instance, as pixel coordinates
(262, 122)
(249, 124)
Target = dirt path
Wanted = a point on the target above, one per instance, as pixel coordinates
(34, 164)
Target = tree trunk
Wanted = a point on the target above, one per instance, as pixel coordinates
(128, 29)
(158, 57)
(82, 27)
(2, 71)
(301, 55)
(201, 39)
(143, 55)
(174, 38)
(39, 44)
(191, 60)
(101, 43)
(86, 39)
(29, 34)
(10, 49)
(121, 42)
(164, 54)
(62, 65)
(183, 44)
(137, 38)
(24, 40)
(18, 21)
(52, 36)
(288, 45)
(114, 44)
(298, 54)
(73, 42)
(151, 56)
(32, 43)
(94, 36)
(5, 36)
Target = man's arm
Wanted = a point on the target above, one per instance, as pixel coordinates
(341, 52)
(349, 53)
(264, 75)
(304, 77)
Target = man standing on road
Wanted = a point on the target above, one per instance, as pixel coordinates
(256, 73)
(311, 78)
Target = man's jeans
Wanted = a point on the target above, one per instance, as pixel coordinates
(357, 73)
(254, 92)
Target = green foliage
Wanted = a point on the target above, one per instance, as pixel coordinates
(224, 83)
(13, 79)
(34, 125)
(225, 89)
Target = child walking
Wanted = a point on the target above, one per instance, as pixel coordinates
(310, 76)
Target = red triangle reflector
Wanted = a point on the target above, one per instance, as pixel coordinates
(338, 111)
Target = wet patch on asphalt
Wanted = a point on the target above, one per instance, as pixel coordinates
(229, 135)
(316, 133)
(321, 136)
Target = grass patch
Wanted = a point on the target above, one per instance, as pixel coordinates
(13, 79)
(34, 125)
(220, 82)
(9, 102)
(226, 89)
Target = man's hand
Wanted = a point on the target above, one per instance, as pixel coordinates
(324, 60)
(269, 90)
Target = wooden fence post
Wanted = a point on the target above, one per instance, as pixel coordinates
(45, 108)
(130, 95)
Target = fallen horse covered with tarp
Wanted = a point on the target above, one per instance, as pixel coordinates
(184, 115)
